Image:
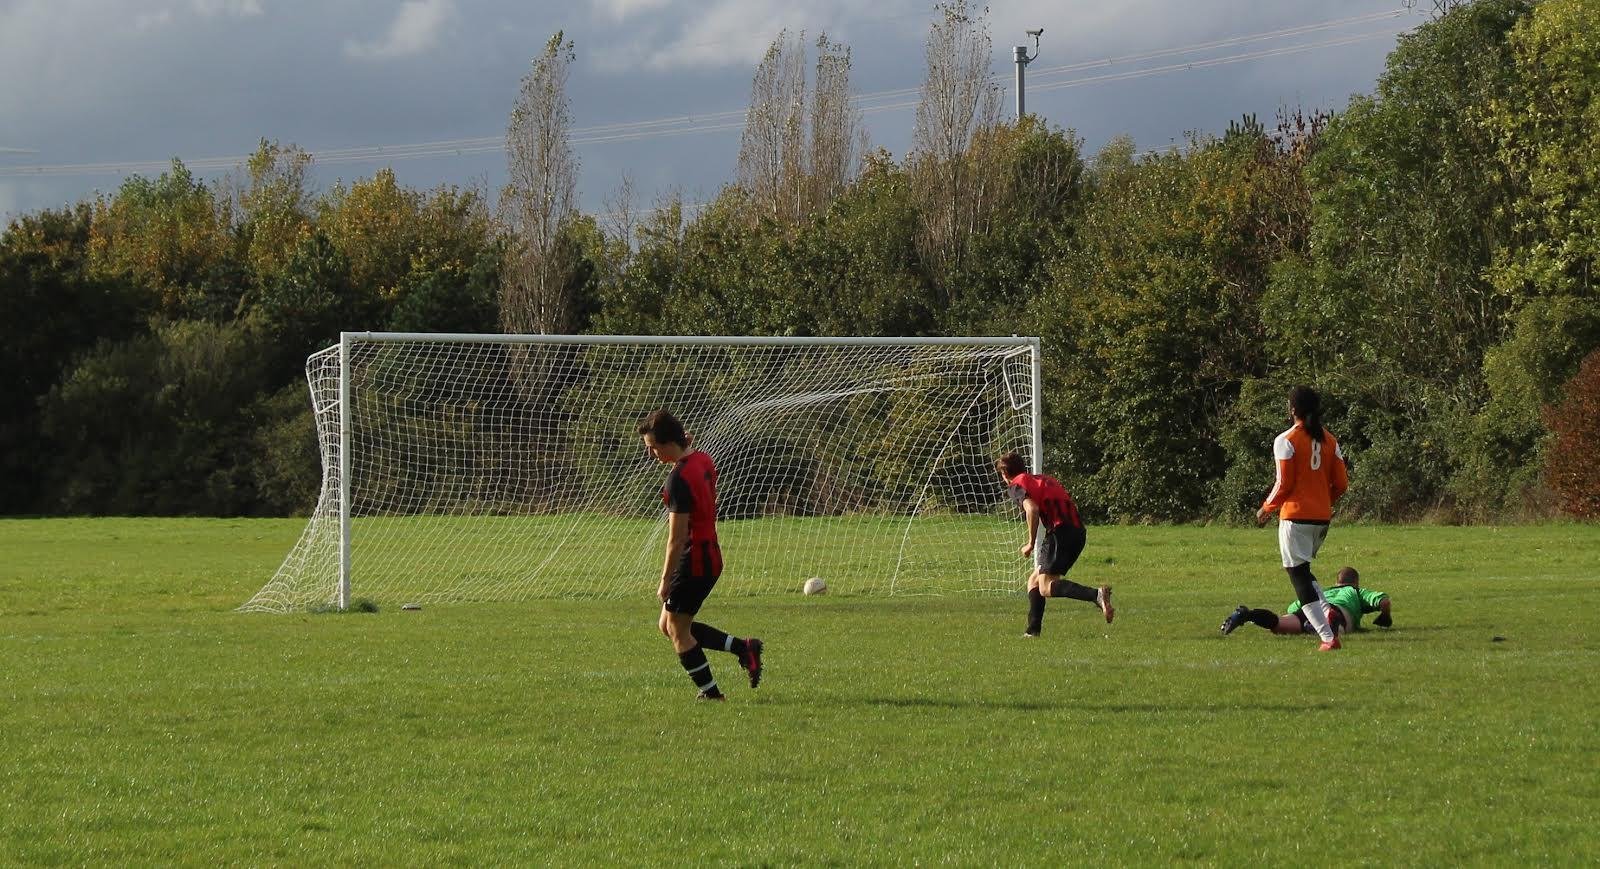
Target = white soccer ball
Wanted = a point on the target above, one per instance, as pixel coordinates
(815, 585)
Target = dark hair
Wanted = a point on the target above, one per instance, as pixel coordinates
(664, 428)
(1308, 406)
(1349, 576)
(1011, 464)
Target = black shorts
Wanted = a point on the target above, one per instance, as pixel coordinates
(694, 578)
(1058, 549)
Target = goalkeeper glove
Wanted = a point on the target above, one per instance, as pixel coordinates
(1383, 620)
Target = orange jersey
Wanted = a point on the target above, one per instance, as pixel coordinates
(1311, 475)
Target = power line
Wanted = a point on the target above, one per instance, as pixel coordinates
(1169, 52)
(1299, 30)
(1176, 67)
(720, 121)
(1216, 61)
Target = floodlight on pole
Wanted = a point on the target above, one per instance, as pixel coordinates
(1020, 55)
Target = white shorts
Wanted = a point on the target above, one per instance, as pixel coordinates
(1299, 541)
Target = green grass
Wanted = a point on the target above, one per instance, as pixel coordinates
(144, 722)
(418, 558)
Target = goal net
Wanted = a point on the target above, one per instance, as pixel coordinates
(501, 468)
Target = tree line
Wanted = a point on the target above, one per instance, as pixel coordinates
(1424, 256)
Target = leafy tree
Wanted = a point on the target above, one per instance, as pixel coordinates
(537, 203)
(159, 424)
(1546, 128)
(274, 206)
(801, 144)
(1573, 464)
(445, 297)
(169, 235)
(1547, 138)
(1038, 194)
(952, 179)
(1391, 311)
(1151, 320)
(52, 309)
(287, 467)
(857, 265)
(310, 301)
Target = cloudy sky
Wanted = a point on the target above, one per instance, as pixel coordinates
(94, 90)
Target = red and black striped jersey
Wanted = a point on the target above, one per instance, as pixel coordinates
(692, 488)
(1056, 507)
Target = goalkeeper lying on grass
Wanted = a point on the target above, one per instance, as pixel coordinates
(1347, 603)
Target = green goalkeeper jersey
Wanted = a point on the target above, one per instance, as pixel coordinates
(1352, 599)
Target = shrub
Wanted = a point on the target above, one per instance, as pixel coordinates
(1572, 462)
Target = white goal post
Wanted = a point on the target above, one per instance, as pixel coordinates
(462, 468)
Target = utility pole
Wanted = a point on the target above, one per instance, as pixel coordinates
(1020, 55)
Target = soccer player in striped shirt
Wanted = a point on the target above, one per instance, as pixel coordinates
(1055, 539)
(1347, 600)
(1311, 478)
(693, 558)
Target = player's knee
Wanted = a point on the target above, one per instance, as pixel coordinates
(682, 639)
(678, 628)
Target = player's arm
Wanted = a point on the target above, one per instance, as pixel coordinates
(1338, 476)
(1283, 458)
(677, 539)
(1377, 602)
(1031, 510)
(680, 504)
(1281, 487)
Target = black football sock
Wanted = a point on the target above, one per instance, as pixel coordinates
(1305, 589)
(1035, 611)
(1312, 604)
(699, 669)
(711, 638)
(1263, 618)
(1068, 588)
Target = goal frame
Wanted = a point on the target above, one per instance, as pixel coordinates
(346, 339)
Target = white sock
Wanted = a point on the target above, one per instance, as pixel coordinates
(1317, 614)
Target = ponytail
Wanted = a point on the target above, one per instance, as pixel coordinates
(1307, 405)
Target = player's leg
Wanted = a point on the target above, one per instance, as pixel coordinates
(1066, 546)
(685, 594)
(1312, 607)
(1068, 588)
(1291, 623)
(678, 630)
(1318, 613)
(1039, 586)
(1297, 543)
(1264, 619)
(748, 649)
(717, 640)
(1037, 582)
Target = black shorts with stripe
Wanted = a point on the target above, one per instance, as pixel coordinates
(696, 574)
(1058, 549)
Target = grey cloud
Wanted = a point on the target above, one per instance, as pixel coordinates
(204, 85)
(414, 30)
(244, 8)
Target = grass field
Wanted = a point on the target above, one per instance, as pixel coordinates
(143, 722)
(518, 558)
